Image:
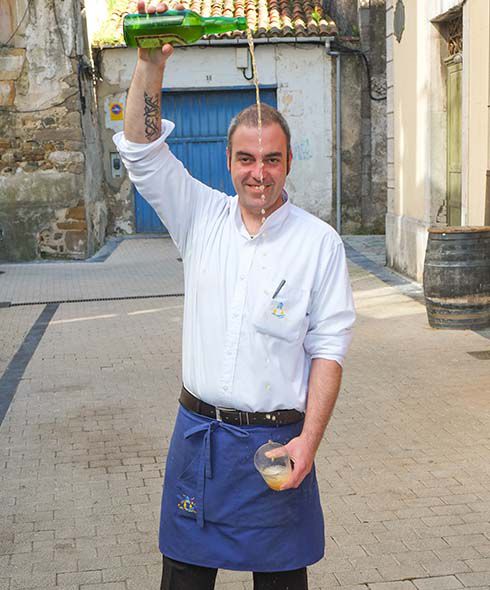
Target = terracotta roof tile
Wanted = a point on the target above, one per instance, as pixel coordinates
(266, 18)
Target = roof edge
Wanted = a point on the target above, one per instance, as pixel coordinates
(236, 42)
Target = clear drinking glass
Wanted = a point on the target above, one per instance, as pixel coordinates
(275, 470)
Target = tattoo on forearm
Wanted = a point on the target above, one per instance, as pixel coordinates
(152, 114)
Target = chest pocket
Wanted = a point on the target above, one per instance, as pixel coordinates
(285, 316)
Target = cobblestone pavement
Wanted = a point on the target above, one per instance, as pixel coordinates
(372, 247)
(404, 468)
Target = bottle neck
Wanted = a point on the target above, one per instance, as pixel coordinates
(214, 25)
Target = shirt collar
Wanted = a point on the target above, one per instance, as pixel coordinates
(272, 223)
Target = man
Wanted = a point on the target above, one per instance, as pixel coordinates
(267, 320)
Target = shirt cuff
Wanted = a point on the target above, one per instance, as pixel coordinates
(332, 347)
(133, 151)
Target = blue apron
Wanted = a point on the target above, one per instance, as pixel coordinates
(218, 512)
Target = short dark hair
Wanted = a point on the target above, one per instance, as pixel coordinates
(250, 118)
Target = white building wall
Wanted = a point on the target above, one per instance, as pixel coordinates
(302, 74)
(417, 120)
(304, 97)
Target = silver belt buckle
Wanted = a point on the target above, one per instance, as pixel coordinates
(219, 409)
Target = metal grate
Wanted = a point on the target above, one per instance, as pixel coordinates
(92, 299)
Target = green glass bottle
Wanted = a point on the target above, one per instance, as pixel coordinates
(178, 27)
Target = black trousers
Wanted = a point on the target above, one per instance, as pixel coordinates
(183, 576)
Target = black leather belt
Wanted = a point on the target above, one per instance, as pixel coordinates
(236, 417)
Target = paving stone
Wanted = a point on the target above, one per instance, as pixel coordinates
(105, 586)
(453, 509)
(403, 585)
(475, 579)
(123, 573)
(413, 557)
(483, 550)
(358, 577)
(87, 577)
(465, 540)
(99, 563)
(402, 571)
(447, 567)
(55, 566)
(459, 552)
(21, 581)
(426, 544)
(438, 583)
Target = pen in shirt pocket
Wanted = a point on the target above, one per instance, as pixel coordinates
(279, 287)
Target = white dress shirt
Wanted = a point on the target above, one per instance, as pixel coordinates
(241, 348)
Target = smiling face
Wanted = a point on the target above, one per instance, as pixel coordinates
(244, 163)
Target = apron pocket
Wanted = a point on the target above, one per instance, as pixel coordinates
(187, 486)
(239, 496)
(262, 507)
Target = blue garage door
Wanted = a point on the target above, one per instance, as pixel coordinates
(199, 139)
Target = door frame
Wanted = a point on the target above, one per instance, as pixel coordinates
(454, 65)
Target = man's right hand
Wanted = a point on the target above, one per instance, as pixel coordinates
(143, 106)
(157, 57)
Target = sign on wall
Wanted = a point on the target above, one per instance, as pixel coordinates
(114, 107)
(117, 111)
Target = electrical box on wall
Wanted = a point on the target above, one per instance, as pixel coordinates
(116, 165)
(241, 57)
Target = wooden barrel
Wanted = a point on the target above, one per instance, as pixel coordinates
(457, 278)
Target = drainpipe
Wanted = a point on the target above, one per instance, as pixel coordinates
(338, 135)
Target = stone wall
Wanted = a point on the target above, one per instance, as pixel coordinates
(372, 17)
(345, 16)
(51, 201)
(351, 126)
(361, 25)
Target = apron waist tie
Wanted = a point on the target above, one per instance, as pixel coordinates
(205, 467)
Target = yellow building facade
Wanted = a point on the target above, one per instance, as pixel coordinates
(438, 63)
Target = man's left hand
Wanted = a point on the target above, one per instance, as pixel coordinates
(302, 456)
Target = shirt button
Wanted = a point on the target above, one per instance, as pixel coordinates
(267, 386)
(242, 277)
(225, 388)
(235, 315)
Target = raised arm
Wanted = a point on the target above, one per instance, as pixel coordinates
(142, 122)
(160, 178)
